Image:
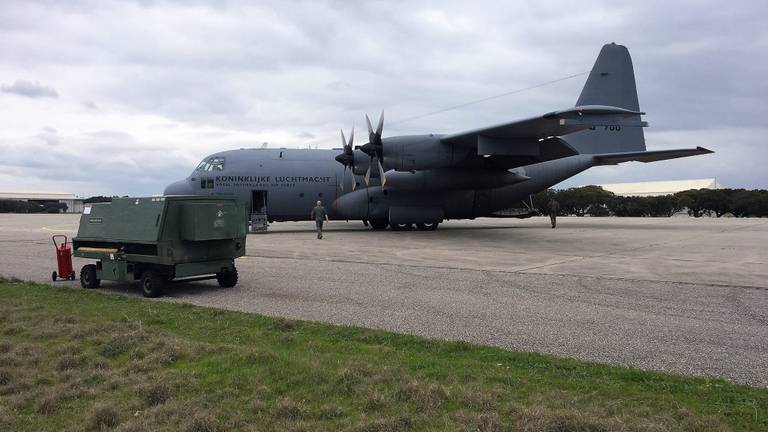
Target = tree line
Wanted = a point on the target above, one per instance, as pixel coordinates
(14, 206)
(596, 201)
(582, 201)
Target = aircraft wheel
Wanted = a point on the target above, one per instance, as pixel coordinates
(427, 226)
(152, 284)
(88, 277)
(378, 224)
(400, 227)
(227, 279)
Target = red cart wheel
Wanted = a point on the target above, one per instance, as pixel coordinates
(54, 276)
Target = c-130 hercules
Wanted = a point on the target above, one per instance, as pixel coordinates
(422, 180)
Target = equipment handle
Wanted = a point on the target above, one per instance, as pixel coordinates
(53, 239)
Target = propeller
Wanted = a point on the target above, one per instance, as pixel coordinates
(348, 157)
(375, 148)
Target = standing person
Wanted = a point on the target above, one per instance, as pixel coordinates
(553, 207)
(319, 215)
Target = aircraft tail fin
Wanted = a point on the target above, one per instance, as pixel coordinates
(611, 82)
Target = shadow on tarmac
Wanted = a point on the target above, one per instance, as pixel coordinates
(172, 290)
(563, 224)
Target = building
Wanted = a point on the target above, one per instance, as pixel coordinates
(73, 202)
(658, 188)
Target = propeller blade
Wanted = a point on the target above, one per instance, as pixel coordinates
(354, 183)
(368, 173)
(381, 173)
(351, 138)
(343, 140)
(368, 122)
(344, 174)
(380, 127)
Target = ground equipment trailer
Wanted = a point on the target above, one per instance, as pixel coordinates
(157, 240)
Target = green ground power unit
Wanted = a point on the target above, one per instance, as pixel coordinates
(157, 240)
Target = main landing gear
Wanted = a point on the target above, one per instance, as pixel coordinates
(424, 226)
(427, 226)
(382, 224)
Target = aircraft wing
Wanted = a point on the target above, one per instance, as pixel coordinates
(553, 124)
(648, 156)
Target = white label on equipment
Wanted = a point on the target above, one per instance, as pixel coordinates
(87, 209)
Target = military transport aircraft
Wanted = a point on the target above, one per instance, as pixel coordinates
(421, 180)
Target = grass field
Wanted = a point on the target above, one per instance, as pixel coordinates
(73, 359)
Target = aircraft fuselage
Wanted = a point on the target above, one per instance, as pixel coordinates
(294, 179)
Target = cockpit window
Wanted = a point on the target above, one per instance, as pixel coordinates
(215, 163)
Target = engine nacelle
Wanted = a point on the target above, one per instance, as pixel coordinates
(453, 178)
(353, 205)
(419, 152)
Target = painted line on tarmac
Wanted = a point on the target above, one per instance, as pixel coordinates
(57, 230)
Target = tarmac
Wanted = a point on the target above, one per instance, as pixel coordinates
(681, 295)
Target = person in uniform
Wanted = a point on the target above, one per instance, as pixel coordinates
(319, 215)
(553, 207)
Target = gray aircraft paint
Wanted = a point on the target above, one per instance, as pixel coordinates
(434, 177)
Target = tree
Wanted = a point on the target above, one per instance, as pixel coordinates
(584, 200)
(717, 201)
(691, 199)
(15, 206)
(662, 206)
(97, 199)
(55, 207)
(629, 206)
(746, 203)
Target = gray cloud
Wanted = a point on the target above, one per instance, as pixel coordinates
(235, 74)
(29, 89)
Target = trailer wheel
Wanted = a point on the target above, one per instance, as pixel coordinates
(88, 277)
(54, 276)
(227, 279)
(72, 275)
(152, 284)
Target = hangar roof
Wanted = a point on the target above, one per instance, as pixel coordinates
(656, 188)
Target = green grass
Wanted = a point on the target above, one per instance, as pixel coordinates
(73, 359)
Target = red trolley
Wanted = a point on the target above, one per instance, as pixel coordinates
(63, 259)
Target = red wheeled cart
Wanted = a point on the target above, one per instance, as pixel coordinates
(63, 259)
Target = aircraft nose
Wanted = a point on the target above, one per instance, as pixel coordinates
(180, 187)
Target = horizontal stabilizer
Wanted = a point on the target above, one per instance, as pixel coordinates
(648, 156)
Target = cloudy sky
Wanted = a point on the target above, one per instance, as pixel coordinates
(100, 97)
